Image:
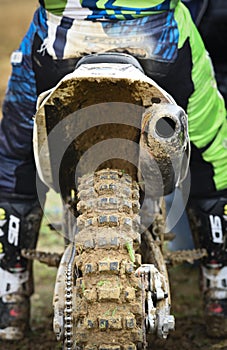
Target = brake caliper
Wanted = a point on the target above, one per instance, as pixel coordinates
(156, 305)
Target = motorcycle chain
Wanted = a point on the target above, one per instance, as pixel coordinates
(68, 319)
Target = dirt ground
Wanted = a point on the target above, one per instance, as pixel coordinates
(186, 300)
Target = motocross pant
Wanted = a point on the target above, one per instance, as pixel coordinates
(208, 218)
(209, 215)
(185, 72)
(20, 219)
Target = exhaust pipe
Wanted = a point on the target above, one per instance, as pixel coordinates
(163, 141)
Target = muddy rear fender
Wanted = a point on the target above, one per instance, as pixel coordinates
(87, 85)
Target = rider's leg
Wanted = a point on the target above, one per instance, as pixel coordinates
(208, 134)
(209, 223)
(190, 80)
(20, 209)
(22, 195)
(20, 218)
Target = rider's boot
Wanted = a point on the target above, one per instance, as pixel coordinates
(210, 231)
(20, 219)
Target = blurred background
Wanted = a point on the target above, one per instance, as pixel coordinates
(15, 17)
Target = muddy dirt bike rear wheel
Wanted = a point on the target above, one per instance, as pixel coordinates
(104, 299)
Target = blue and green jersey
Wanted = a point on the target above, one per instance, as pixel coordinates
(107, 9)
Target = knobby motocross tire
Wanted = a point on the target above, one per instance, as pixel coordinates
(107, 297)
